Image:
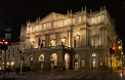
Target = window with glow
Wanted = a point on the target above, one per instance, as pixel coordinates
(84, 18)
(44, 25)
(67, 22)
(41, 58)
(97, 19)
(54, 58)
(53, 43)
(48, 25)
(58, 23)
(78, 19)
(96, 41)
(55, 24)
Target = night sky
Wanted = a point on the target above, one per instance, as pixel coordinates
(14, 13)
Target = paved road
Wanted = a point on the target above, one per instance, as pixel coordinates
(64, 75)
(74, 75)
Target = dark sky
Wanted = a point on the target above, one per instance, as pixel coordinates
(13, 13)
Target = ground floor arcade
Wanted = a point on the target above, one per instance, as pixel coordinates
(67, 58)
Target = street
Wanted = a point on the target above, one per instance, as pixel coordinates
(64, 75)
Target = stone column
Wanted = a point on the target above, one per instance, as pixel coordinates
(71, 61)
(71, 35)
(46, 62)
(61, 60)
(35, 65)
(46, 40)
(57, 38)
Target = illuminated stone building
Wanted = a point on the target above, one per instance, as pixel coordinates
(76, 41)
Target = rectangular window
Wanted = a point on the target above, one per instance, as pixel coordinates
(60, 23)
(48, 25)
(78, 19)
(67, 22)
(44, 25)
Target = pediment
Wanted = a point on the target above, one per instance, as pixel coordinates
(52, 16)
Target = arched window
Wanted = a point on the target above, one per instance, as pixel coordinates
(54, 58)
(67, 60)
(41, 58)
(77, 62)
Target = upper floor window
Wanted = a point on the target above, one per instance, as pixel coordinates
(28, 29)
(48, 25)
(78, 19)
(96, 19)
(52, 43)
(44, 26)
(58, 23)
(67, 21)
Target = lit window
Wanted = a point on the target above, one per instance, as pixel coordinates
(63, 40)
(35, 28)
(54, 58)
(48, 25)
(28, 29)
(8, 63)
(96, 42)
(84, 18)
(12, 63)
(93, 54)
(67, 60)
(79, 19)
(67, 22)
(59, 23)
(41, 58)
(53, 43)
(97, 19)
(55, 24)
(44, 25)
(94, 63)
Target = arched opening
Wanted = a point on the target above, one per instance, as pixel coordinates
(54, 60)
(67, 60)
(93, 60)
(41, 60)
(77, 62)
(31, 60)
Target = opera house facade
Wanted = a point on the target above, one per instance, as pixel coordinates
(78, 41)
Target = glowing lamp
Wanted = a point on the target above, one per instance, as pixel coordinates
(6, 42)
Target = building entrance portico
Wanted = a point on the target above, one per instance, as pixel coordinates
(53, 60)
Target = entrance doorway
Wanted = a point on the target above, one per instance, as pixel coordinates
(77, 62)
(54, 60)
(41, 60)
(67, 60)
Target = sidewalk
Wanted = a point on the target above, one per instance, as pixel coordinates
(12, 75)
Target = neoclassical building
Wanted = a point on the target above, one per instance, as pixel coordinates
(76, 41)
